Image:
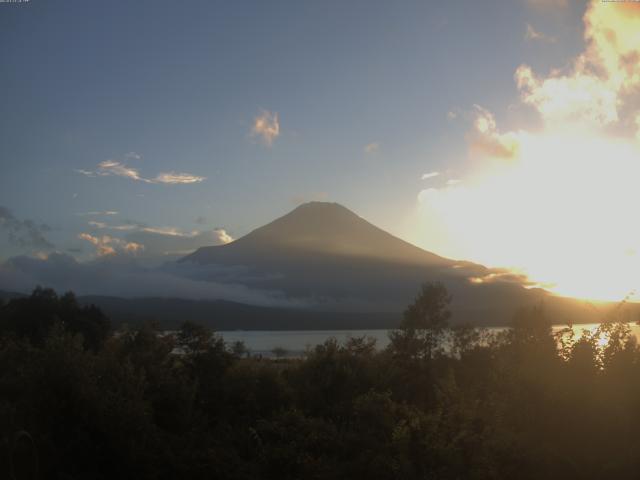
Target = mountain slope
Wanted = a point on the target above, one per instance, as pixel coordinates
(322, 229)
(327, 255)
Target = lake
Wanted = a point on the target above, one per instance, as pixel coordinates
(295, 342)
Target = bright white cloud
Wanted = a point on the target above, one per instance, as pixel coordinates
(267, 126)
(426, 176)
(222, 236)
(487, 140)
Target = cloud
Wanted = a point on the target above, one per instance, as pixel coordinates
(177, 178)
(160, 243)
(601, 80)
(108, 245)
(267, 126)
(372, 148)
(24, 233)
(121, 169)
(98, 213)
(560, 209)
(497, 275)
(426, 176)
(533, 35)
(111, 167)
(487, 140)
(223, 236)
(98, 224)
(112, 276)
(171, 242)
(105, 226)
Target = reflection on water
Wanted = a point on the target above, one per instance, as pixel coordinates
(293, 343)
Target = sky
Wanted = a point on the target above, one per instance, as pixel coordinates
(502, 132)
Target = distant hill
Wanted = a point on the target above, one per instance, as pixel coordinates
(5, 296)
(224, 315)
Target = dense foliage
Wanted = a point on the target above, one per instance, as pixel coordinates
(438, 403)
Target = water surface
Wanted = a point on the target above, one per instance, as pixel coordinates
(295, 342)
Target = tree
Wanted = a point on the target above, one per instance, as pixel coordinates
(279, 352)
(239, 349)
(423, 323)
(33, 318)
(194, 339)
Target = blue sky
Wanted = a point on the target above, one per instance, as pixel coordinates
(180, 85)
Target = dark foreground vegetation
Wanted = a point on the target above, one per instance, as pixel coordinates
(78, 401)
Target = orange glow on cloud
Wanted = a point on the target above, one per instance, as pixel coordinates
(559, 204)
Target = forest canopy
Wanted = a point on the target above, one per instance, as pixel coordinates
(81, 401)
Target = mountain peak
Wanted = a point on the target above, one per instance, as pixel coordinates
(321, 228)
(319, 206)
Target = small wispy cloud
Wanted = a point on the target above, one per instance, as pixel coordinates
(98, 224)
(533, 35)
(267, 126)
(121, 169)
(373, 147)
(177, 178)
(107, 245)
(144, 234)
(425, 176)
(97, 213)
(164, 242)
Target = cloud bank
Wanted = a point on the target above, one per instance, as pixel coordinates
(127, 280)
